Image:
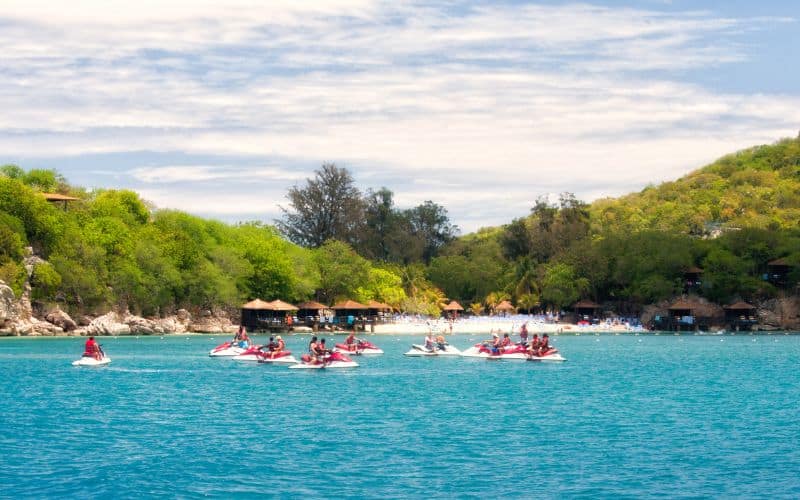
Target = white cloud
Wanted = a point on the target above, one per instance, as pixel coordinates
(204, 173)
(508, 97)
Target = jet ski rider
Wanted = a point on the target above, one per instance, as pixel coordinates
(280, 346)
(241, 338)
(429, 341)
(313, 349)
(352, 342)
(92, 349)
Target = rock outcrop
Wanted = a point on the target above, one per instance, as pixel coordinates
(783, 314)
(7, 312)
(61, 319)
(115, 323)
(211, 322)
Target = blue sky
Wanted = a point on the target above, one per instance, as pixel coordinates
(218, 109)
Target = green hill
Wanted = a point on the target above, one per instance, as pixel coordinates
(730, 218)
(758, 187)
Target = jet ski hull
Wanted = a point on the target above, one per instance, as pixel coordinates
(90, 361)
(420, 351)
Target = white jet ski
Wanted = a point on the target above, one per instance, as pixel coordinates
(226, 349)
(89, 360)
(420, 350)
(333, 360)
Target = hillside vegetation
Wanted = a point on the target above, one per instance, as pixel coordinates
(754, 188)
(111, 248)
(730, 218)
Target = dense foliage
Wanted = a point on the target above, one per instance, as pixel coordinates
(111, 248)
(730, 219)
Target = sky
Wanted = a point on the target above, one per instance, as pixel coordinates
(218, 108)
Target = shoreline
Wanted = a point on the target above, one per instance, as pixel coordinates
(419, 330)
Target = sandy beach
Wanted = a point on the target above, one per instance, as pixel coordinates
(488, 325)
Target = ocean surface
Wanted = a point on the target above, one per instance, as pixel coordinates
(625, 417)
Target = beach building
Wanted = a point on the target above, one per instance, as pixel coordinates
(452, 310)
(378, 312)
(587, 312)
(261, 316)
(740, 316)
(692, 279)
(778, 272)
(350, 315)
(504, 308)
(312, 313)
(57, 198)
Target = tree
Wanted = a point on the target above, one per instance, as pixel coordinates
(382, 223)
(431, 226)
(560, 286)
(329, 207)
(382, 285)
(341, 270)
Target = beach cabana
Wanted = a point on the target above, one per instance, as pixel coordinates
(377, 310)
(778, 273)
(256, 315)
(692, 279)
(681, 316)
(740, 316)
(348, 312)
(505, 307)
(285, 311)
(452, 309)
(311, 312)
(586, 310)
(59, 198)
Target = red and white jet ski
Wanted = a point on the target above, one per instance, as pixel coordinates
(278, 358)
(516, 351)
(550, 354)
(226, 349)
(256, 354)
(333, 360)
(358, 348)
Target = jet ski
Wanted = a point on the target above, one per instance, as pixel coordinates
(360, 347)
(283, 357)
(418, 350)
(517, 351)
(227, 349)
(333, 360)
(88, 359)
(551, 354)
(249, 354)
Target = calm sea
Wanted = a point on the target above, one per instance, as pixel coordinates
(625, 416)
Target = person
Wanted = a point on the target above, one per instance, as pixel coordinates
(493, 344)
(544, 345)
(270, 347)
(429, 342)
(352, 342)
(523, 334)
(313, 348)
(91, 348)
(506, 341)
(322, 351)
(534, 347)
(241, 338)
(440, 343)
(280, 346)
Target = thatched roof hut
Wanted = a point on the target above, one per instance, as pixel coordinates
(257, 305)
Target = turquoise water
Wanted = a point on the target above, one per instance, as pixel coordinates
(625, 416)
